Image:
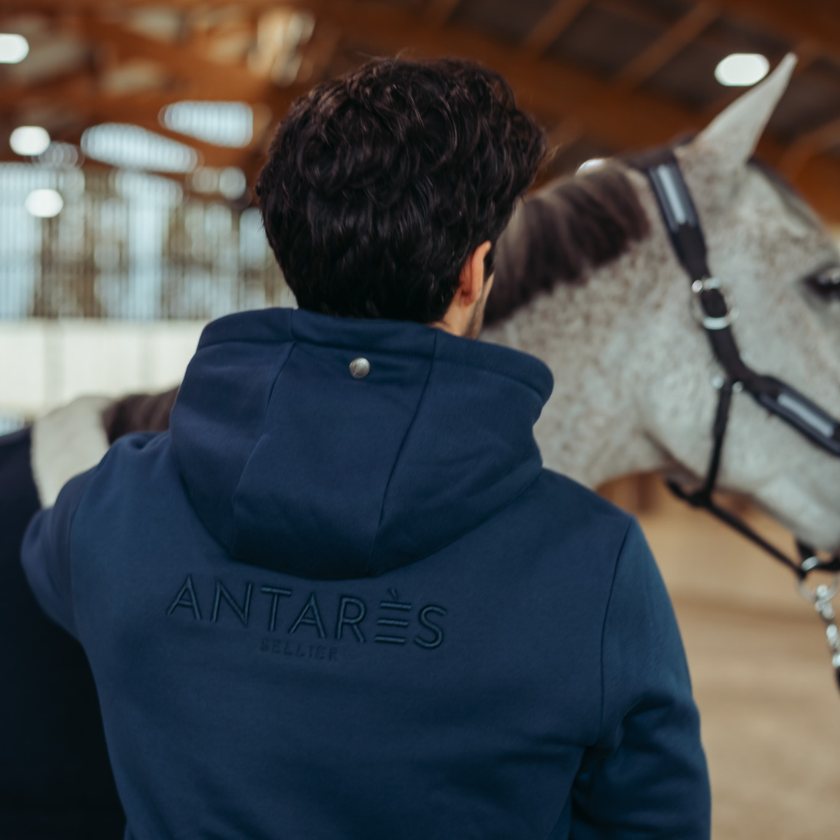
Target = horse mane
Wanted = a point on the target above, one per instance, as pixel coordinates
(561, 233)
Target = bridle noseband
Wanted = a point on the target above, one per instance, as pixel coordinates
(716, 317)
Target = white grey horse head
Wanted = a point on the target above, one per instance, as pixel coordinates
(634, 369)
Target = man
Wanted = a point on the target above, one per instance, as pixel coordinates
(341, 598)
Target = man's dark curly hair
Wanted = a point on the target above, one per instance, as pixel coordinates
(380, 184)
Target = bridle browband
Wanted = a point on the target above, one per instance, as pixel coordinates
(716, 317)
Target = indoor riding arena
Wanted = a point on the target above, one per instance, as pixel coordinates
(676, 265)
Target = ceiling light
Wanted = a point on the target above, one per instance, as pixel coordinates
(13, 48)
(221, 123)
(29, 140)
(132, 147)
(44, 203)
(742, 69)
(588, 165)
(232, 183)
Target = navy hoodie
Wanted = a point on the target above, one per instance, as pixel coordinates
(323, 606)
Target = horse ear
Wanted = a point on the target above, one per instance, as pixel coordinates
(734, 133)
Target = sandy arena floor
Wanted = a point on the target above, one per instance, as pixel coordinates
(762, 678)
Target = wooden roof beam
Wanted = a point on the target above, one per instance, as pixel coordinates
(440, 11)
(808, 146)
(663, 49)
(555, 22)
(182, 61)
(55, 89)
(816, 23)
(806, 49)
(545, 87)
(614, 118)
(813, 22)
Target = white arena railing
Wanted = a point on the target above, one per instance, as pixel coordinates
(47, 363)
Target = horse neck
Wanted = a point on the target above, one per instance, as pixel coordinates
(591, 336)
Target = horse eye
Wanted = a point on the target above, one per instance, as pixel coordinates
(825, 283)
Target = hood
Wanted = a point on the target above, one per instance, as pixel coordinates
(294, 464)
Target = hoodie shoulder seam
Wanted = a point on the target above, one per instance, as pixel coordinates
(88, 478)
(602, 714)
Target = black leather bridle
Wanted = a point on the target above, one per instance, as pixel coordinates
(716, 317)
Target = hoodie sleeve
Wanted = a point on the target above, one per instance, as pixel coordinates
(45, 554)
(646, 777)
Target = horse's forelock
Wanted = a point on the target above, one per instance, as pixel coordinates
(562, 232)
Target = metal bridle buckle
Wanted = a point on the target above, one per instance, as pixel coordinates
(708, 322)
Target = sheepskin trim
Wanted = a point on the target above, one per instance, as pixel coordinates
(66, 442)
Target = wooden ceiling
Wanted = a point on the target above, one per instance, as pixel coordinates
(604, 76)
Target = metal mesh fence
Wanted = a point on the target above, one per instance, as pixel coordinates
(128, 245)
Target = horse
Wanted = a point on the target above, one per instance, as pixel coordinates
(587, 279)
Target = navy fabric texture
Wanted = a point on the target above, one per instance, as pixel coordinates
(55, 778)
(327, 607)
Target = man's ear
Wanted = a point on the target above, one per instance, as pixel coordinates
(472, 279)
(471, 286)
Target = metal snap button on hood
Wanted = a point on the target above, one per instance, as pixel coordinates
(359, 368)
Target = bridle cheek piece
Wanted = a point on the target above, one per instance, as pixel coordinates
(716, 316)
